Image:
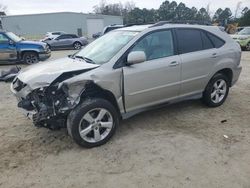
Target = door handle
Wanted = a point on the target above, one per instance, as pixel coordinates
(173, 64)
(214, 55)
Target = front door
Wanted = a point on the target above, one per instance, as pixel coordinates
(158, 78)
(7, 49)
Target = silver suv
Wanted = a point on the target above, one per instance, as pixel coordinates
(125, 72)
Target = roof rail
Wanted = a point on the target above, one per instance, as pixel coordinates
(133, 24)
(191, 22)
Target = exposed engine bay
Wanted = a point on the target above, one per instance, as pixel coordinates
(49, 106)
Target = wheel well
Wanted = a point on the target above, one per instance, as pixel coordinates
(77, 42)
(28, 51)
(228, 73)
(93, 90)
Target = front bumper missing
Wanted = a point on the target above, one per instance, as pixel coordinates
(42, 111)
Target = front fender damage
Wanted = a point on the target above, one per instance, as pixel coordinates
(54, 103)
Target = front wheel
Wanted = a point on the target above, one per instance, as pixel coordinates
(216, 91)
(30, 58)
(93, 122)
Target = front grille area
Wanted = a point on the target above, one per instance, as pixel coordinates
(18, 84)
(47, 49)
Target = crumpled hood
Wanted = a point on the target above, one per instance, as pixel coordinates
(44, 73)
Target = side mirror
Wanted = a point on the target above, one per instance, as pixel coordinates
(136, 57)
(11, 42)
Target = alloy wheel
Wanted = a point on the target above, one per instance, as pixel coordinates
(96, 125)
(219, 91)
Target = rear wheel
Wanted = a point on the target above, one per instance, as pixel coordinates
(77, 45)
(30, 58)
(216, 91)
(93, 122)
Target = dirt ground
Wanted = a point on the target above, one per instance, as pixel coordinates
(182, 145)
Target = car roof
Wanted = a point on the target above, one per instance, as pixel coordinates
(140, 28)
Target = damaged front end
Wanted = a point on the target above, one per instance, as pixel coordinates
(49, 106)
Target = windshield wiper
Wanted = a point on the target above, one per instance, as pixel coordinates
(85, 59)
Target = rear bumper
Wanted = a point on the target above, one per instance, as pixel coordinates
(236, 74)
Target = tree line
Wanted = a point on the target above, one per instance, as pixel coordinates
(171, 10)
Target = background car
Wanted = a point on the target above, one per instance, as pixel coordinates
(106, 30)
(243, 38)
(14, 49)
(239, 29)
(67, 41)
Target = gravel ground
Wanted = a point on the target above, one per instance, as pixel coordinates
(182, 145)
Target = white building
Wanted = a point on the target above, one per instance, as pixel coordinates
(70, 22)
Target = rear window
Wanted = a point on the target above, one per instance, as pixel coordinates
(216, 40)
(74, 36)
(189, 40)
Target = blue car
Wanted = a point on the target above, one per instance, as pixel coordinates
(13, 49)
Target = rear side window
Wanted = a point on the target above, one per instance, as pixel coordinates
(189, 40)
(207, 43)
(216, 40)
(74, 36)
(64, 37)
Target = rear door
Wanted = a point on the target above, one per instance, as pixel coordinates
(7, 49)
(198, 55)
(158, 78)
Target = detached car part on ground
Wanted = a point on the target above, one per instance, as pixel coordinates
(125, 72)
(243, 38)
(8, 75)
(67, 41)
(14, 50)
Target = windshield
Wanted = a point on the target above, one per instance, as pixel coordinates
(13, 37)
(104, 48)
(245, 31)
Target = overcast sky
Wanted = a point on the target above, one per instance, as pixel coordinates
(86, 6)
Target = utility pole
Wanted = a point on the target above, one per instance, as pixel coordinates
(237, 8)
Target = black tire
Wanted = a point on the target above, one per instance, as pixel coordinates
(30, 58)
(207, 94)
(76, 115)
(77, 45)
(247, 48)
